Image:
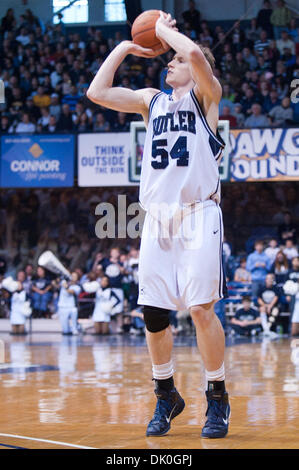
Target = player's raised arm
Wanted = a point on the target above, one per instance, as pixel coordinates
(201, 70)
(102, 92)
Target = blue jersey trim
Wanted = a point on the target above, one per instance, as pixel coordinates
(216, 137)
(153, 100)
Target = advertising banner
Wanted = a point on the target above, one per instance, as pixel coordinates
(31, 161)
(264, 154)
(103, 159)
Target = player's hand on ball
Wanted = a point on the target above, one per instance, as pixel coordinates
(169, 22)
(137, 50)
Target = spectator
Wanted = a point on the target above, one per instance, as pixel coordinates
(280, 268)
(41, 99)
(285, 43)
(51, 127)
(262, 43)
(24, 126)
(240, 117)
(257, 119)
(100, 125)
(192, 16)
(258, 264)
(293, 30)
(5, 125)
(253, 32)
(55, 107)
(31, 109)
(268, 297)
(249, 58)
(121, 123)
(226, 115)
(272, 249)
(29, 274)
(294, 270)
(289, 60)
(8, 22)
(83, 124)
(23, 37)
(239, 67)
(241, 273)
(282, 115)
(248, 100)
(80, 109)
(44, 119)
(72, 98)
(56, 75)
(65, 122)
(40, 293)
(271, 101)
(264, 18)
(280, 18)
(247, 319)
(287, 229)
(290, 250)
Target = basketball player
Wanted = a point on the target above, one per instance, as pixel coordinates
(180, 169)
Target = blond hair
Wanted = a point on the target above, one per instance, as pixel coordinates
(207, 53)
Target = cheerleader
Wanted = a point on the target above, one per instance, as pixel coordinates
(105, 303)
(67, 304)
(291, 289)
(20, 308)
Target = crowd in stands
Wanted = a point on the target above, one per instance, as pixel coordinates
(261, 242)
(47, 70)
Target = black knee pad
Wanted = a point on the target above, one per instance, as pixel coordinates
(156, 319)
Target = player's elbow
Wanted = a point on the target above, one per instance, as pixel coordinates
(92, 96)
(196, 55)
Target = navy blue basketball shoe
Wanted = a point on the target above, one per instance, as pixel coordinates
(217, 414)
(169, 405)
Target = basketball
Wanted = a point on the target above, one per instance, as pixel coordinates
(144, 30)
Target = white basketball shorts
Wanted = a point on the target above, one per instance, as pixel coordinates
(180, 265)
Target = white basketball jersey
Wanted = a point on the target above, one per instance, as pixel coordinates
(181, 154)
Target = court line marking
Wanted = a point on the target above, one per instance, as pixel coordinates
(46, 440)
(13, 447)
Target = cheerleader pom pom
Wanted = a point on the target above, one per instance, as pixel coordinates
(27, 310)
(290, 287)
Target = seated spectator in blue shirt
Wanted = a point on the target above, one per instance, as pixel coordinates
(247, 320)
(258, 264)
(257, 119)
(72, 98)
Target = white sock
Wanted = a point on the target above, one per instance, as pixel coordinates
(265, 324)
(163, 371)
(215, 375)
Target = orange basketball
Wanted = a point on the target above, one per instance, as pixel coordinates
(143, 30)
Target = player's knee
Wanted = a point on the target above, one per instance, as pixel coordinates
(202, 315)
(156, 319)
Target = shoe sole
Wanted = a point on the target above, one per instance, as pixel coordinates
(173, 416)
(217, 436)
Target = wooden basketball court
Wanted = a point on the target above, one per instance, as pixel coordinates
(86, 392)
